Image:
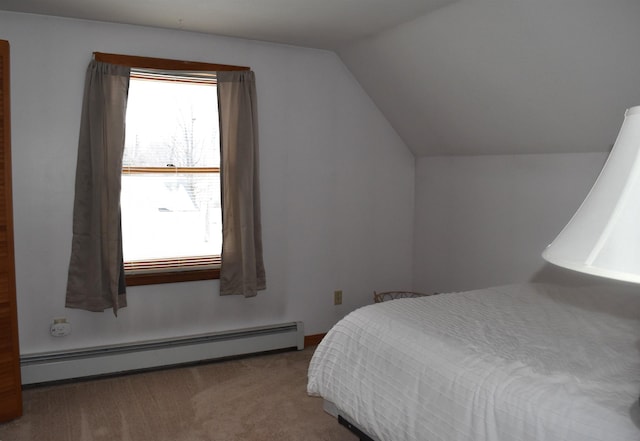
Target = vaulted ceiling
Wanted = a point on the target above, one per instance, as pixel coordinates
(454, 77)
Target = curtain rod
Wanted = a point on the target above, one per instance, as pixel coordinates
(162, 63)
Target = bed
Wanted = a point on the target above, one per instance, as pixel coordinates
(529, 362)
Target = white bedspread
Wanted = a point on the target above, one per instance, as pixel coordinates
(513, 363)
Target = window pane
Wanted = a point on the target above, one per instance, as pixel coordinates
(171, 123)
(171, 215)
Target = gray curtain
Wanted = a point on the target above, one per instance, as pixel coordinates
(96, 273)
(242, 271)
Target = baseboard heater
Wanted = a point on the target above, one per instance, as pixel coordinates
(114, 359)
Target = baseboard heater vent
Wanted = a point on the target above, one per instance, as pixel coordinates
(113, 359)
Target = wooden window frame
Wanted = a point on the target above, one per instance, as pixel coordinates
(163, 63)
(168, 270)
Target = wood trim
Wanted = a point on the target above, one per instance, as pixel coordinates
(186, 269)
(10, 383)
(163, 63)
(313, 340)
(172, 277)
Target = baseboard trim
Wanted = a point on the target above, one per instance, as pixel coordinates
(313, 340)
(136, 356)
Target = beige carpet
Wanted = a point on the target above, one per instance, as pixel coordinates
(261, 398)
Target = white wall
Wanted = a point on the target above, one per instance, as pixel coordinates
(337, 186)
(485, 220)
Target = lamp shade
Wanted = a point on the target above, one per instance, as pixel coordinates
(603, 237)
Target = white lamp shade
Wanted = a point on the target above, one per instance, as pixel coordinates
(603, 237)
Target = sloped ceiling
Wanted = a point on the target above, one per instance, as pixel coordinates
(506, 76)
(454, 77)
(323, 24)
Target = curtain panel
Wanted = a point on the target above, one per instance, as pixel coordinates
(242, 271)
(96, 273)
(96, 279)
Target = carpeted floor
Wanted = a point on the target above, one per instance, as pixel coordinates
(261, 398)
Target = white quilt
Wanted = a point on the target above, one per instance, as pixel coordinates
(513, 363)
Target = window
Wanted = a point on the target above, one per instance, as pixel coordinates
(170, 199)
(180, 181)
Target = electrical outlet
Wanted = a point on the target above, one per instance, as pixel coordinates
(337, 297)
(60, 327)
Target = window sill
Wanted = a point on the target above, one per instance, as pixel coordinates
(175, 276)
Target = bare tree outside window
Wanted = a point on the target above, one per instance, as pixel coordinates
(170, 185)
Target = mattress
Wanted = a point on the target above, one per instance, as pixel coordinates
(527, 362)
